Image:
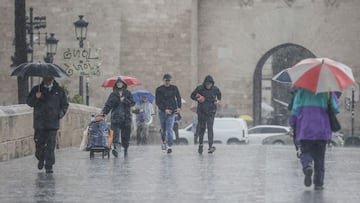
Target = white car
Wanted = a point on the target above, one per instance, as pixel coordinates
(260, 132)
(226, 131)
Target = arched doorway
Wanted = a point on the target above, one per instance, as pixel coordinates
(276, 59)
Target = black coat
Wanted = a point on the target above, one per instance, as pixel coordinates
(49, 108)
(120, 110)
(211, 95)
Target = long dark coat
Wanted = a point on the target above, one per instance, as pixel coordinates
(49, 108)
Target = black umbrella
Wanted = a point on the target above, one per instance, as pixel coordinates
(39, 69)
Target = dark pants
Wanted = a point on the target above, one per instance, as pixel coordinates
(125, 129)
(45, 142)
(206, 121)
(314, 151)
(196, 134)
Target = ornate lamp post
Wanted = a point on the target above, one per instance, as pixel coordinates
(81, 31)
(51, 47)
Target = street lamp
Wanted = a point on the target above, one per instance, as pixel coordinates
(51, 47)
(81, 31)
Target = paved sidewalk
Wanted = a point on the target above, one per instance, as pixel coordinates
(243, 173)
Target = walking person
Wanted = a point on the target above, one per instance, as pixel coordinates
(208, 96)
(50, 105)
(309, 118)
(168, 100)
(119, 103)
(144, 111)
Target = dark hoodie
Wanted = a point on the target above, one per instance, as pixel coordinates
(120, 111)
(211, 95)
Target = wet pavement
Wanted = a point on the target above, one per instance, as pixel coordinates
(244, 173)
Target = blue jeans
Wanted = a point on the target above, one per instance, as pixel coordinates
(314, 151)
(167, 124)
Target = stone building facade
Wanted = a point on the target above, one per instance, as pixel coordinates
(189, 39)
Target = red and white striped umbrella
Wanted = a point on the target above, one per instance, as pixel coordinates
(321, 75)
(110, 82)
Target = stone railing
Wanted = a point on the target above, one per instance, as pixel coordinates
(17, 133)
(16, 129)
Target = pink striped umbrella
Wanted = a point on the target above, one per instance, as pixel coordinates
(321, 75)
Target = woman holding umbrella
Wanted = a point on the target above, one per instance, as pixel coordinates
(316, 79)
(119, 103)
(144, 111)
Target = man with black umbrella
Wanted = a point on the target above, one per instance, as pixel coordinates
(50, 105)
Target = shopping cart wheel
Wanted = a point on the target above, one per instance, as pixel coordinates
(91, 154)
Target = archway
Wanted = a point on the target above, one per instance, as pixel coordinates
(282, 56)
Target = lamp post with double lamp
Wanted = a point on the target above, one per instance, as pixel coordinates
(81, 31)
(51, 47)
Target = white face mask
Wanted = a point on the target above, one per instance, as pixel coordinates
(48, 86)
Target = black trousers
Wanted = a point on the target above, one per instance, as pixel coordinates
(45, 142)
(176, 130)
(313, 153)
(123, 128)
(206, 121)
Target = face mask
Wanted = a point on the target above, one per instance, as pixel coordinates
(48, 86)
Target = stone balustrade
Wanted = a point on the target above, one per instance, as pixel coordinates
(16, 129)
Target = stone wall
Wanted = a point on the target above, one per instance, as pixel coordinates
(16, 129)
(235, 34)
(189, 39)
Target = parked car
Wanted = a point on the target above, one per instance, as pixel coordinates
(287, 139)
(351, 139)
(259, 133)
(226, 131)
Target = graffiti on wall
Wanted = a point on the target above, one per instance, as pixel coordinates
(82, 61)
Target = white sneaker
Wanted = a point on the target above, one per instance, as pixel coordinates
(163, 147)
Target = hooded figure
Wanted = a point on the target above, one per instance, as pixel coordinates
(119, 103)
(207, 95)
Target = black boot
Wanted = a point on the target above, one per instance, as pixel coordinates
(125, 152)
(200, 150)
(41, 164)
(49, 169)
(211, 150)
